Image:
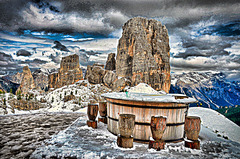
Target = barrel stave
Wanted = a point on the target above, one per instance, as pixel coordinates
(143, 117)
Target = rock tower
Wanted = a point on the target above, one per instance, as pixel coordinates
(143, 53)
(27, 82)
(111, 62)
(69, 72)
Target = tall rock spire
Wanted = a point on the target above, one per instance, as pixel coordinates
(27, 82)
(143, 53)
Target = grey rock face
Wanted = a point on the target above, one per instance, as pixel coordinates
(143, 53)
(40, 79)
(120, 84)
(95, 74)
(111, 62)
(109, 78)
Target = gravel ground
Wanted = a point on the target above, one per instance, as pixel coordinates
(81, 141)
(20, 135)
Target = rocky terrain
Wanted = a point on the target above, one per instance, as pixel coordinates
(69, 98)
(21, 135)
(69, 72)
(40, 77)
(25, 104)
(142, 56)
(74, 97)
(143, 53)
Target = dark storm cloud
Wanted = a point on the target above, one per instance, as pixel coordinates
(19, 14)
(183, 12)
(60, 46)
(34, 62)
(207, 31)
(23, 52)
(204, 47)
(6, 60)
(9, 14)
(7, 64)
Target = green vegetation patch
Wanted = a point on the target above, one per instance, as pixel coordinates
(232, 113)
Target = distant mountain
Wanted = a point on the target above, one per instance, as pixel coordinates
(40, 76)
(6, 85)
(211, 90)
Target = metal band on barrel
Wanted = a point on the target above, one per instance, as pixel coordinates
(140, 140)
(149, 107)
(148, 124)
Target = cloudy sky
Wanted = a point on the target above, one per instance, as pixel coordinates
(204, 34)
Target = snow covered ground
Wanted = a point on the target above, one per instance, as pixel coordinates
(217, 122)
(83, 92)
(80, 141)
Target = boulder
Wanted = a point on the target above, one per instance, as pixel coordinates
(95, 74)
(43, 100)
(120, 84)
(111, 62)
(109, 78)
(143, 53)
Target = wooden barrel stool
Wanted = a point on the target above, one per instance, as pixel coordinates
(92, 112)
(158, 126)
(103, 112)
(192, 129)
(126, 126)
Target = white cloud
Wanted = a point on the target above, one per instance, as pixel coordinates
(210, 38)
(175, 42)
(234, 49)
(24, 39)
(219, 63)
(2, 63)
(117, 33)
(99, 45)
(50, 65)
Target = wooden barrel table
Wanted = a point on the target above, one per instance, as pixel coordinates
(144, 109)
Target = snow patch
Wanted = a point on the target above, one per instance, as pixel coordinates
(143, 88)
(216, 122)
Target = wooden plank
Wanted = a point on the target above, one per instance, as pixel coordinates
(143, 115)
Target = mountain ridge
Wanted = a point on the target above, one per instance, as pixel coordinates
(212, 90)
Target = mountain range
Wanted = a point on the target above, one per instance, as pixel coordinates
(212, 90)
